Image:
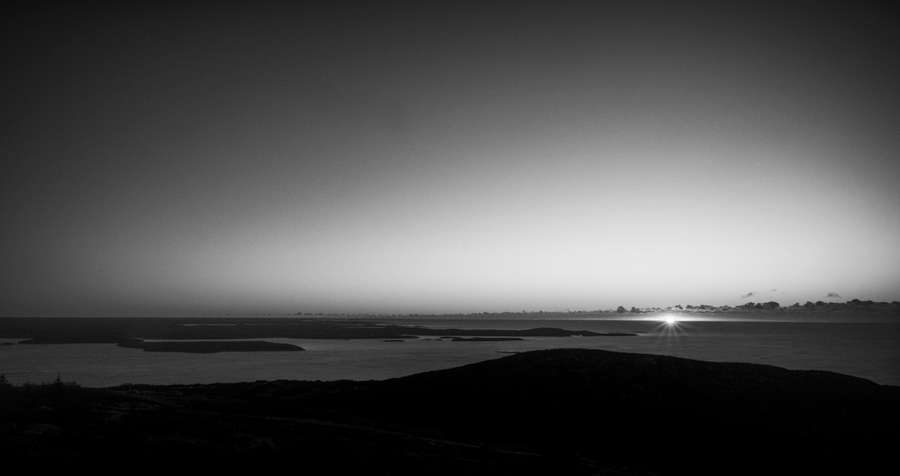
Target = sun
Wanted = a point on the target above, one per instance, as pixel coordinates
(670, 320)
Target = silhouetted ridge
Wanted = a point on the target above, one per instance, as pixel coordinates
(565, 411)
(613, 405)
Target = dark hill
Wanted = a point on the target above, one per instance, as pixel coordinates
(658, 411)
(566, 411)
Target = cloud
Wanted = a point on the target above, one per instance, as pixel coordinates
(757, 293)
(833, 294)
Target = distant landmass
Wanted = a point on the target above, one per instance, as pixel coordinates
(818, 307)
(481, 339)
(209, 347)
(771, 306)
(209, 335)
(564, 411)
(248, 334)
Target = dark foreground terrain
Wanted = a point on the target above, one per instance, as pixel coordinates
(566, 411)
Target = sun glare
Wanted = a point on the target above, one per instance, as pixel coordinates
(670, 330)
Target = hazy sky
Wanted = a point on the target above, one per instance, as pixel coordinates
(232, 158)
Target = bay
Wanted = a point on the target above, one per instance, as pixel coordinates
(863, 349)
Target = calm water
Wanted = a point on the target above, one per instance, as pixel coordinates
(868, 350)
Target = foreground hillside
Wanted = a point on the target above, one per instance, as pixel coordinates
(555, 411)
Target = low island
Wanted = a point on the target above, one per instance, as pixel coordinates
(136, 332)
(209, 347)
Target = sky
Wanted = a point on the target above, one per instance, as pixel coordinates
(445, 157)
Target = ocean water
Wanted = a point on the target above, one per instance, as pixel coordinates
(863, 349)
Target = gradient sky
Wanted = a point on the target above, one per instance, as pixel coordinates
(233, 158)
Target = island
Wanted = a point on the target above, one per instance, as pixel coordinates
(209, 347)
(480, 339)
(112, 330)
